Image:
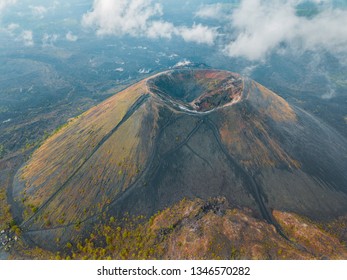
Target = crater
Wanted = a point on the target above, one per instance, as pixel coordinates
(197, 90)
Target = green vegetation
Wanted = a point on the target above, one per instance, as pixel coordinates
(191, 230)
(5, 210)
(16, 229)
(133, 240)
(80, 137)
(37, 143)
(33, 208)
(60, 128)
(141, 238)
(2, 151)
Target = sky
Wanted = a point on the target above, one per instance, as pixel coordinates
(251, 29)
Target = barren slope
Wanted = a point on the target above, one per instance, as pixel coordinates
(182, 133)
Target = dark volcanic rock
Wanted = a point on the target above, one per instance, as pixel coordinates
(182, 133)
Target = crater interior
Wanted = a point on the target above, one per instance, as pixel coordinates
(198, 90)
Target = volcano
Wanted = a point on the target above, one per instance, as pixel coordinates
(182, 134)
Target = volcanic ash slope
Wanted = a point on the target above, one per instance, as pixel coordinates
(182, 133)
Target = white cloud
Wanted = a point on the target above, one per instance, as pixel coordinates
(48, 40)
(182, 63)
(247, 71)
(27, 38)
(198, 33)
(262, 26)
(121, 17)
(328, 30)
(11, 29)
(212, 11)
(71, 37)
(5, 3)
(160, 29)
(140, 18)
(329, 94)
(38, 11)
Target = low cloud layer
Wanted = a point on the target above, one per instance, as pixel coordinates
(252, 29)
(213, 11)
(27, 38)
(48, 40)
(15, 31)
(218, 11)
(71, 37)
(141, 18)
(11, 28)
(5, 3)
(261, 27)
(38, 11)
